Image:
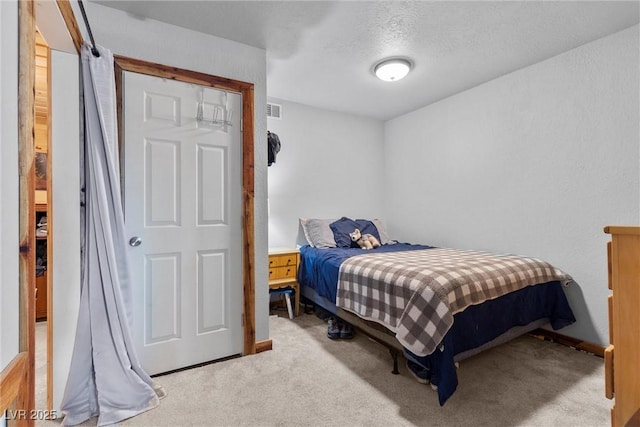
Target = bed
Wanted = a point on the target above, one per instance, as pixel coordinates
(437, 306)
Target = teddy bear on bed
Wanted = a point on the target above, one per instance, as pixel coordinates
(365, 241)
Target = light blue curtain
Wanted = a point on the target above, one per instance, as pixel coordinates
(106, 379)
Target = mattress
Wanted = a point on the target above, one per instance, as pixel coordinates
(473, 329)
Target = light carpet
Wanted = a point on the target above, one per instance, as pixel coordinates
(308, 379)
(41, 365)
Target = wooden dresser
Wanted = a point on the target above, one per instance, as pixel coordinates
(283, 271)
(622, 357)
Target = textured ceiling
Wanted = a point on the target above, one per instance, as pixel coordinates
(321, 53)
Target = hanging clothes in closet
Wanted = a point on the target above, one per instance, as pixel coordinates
(273, 147)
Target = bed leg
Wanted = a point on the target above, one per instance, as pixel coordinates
(394, 356)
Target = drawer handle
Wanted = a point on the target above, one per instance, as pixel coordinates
(609, 266)
(610, 304)
(608, 372)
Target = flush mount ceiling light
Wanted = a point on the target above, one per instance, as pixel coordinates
(393, 69)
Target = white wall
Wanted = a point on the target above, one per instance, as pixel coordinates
(330, 166)
(536, 162)
(9, 213)
(158, 42)
(65, 231)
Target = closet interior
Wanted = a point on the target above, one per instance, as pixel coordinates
(41, 140)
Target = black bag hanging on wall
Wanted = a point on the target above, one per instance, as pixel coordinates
(273, 147)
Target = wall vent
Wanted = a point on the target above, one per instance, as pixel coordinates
(274, 111)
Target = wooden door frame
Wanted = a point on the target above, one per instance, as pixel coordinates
(122, 64)
(17, 379)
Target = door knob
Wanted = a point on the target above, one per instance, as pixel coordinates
(135, 241)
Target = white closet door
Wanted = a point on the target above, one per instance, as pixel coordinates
(183, 183)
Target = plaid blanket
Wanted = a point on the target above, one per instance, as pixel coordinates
(416, 293)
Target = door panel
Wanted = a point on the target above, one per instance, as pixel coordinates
(212, 187)
(162, 289)
(183, 181)
(162, 182)
(212, 313)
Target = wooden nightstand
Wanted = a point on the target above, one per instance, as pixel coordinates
(283, 270)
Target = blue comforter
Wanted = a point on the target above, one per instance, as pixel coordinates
(473, 327)
(320, 267)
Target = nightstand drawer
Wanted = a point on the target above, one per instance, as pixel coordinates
(282, 272)
(282, 260)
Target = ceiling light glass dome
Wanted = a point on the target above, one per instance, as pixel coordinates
(391, 70)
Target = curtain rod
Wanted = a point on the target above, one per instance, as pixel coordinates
(94, 51)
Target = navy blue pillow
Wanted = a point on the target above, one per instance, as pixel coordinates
(342, 227)
(368, 227)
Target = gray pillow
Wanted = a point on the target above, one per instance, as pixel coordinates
(318, 232)
(384, 237)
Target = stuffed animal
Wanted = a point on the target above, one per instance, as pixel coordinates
(365, 241)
